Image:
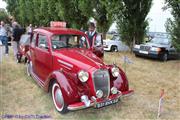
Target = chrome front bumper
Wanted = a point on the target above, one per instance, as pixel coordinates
(81, 105)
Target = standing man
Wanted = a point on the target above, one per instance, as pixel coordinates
(91, 33)
(3, 37)
(17, 32)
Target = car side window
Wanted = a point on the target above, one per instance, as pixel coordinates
(42, 42)
(33, 43)
(25, 40)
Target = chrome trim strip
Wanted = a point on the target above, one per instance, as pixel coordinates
(79, 107)
(65, 63)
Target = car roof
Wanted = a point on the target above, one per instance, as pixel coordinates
(55, 30)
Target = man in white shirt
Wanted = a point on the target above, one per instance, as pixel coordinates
(30, 29)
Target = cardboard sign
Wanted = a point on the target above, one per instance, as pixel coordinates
(58, 24)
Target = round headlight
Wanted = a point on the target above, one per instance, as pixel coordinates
(99, 94)
(83, 76)
(114, 90)
(155, 49)
(115, 71)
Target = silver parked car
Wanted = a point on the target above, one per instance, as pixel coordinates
(114, 44)
(158, 47)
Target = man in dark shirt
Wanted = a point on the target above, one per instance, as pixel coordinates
(17, 32)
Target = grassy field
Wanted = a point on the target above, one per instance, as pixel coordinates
(19, 94)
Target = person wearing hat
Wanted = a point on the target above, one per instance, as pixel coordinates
(91, 33)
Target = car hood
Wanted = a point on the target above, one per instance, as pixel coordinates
(108, 41)
(79, 58)
(155, 45)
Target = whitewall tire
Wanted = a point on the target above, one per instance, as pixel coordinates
(58, 99)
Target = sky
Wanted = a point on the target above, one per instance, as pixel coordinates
(156, 16)
(2, 4)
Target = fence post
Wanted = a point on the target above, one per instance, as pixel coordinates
(160, 103)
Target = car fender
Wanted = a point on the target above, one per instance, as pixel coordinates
(121, 82)
(115, 43)
(166, 50)
(69, 91)
(125, 85)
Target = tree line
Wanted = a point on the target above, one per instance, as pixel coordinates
(173, 26)
(130, 15)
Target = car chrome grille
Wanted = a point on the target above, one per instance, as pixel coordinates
(101, 80)
(145, 48)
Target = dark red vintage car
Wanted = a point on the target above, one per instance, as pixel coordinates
(23, 48)
(62, 63)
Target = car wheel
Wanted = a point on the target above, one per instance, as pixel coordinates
(164, 57)
(58, 99)
(114, 49)
(136, 55)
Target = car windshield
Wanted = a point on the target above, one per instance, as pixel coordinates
(69, 41)
(115, 37)
(163, 41)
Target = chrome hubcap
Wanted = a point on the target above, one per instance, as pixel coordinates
(57, 97)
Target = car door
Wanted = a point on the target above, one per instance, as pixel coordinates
(118, 43)
(42, 57)
(97, 46)
(32, 51)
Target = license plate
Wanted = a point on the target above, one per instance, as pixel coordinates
(143, 52)
(106, 103)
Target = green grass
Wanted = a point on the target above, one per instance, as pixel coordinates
(19, 94)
